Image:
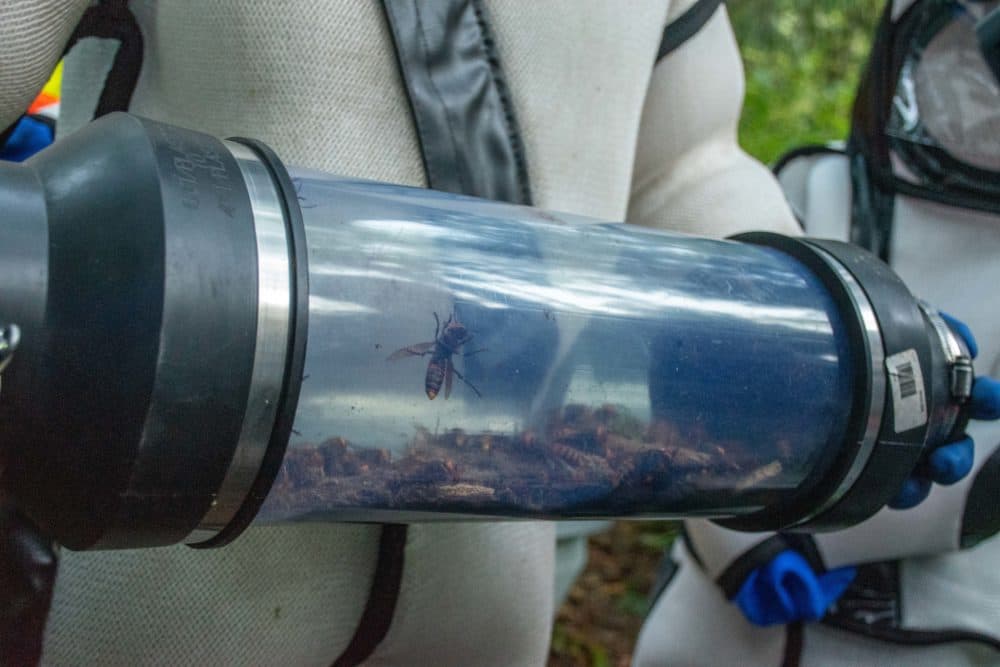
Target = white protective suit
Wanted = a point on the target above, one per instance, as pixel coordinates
(930, 603)
(608, 132)
(939, 589)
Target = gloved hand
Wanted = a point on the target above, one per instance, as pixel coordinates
(951, 462)
(789, 589)
(28, 136)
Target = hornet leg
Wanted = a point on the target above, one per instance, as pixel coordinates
(462, 378)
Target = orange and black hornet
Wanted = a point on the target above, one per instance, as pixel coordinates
(447, 342)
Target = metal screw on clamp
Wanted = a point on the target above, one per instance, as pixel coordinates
(961, 378)
(10, 336)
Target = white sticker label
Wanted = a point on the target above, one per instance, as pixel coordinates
(909, 402)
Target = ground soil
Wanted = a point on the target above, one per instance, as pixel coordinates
(598, 624)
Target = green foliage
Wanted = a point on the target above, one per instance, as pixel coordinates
(581, 650)
(659, 537)
(633, 602)
(803, 61)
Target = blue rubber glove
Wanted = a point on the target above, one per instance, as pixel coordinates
(30, 135)
(787, 589)
(951, 462)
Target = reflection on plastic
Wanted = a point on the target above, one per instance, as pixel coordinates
(947, 97)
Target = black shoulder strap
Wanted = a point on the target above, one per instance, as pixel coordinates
(469, 136)
(376, 618)
(686, 26)
(111, 19)
(28, 564)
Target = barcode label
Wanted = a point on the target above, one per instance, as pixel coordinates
(909, 404)
(907, 383)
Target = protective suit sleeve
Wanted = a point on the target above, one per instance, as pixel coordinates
(690, 174)
(33, 34)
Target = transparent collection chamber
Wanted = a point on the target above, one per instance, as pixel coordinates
(474, 359)
(212, 339)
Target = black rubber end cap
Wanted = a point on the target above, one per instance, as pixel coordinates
(124, 403)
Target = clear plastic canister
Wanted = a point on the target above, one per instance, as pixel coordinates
(475, 359)
(209, 338)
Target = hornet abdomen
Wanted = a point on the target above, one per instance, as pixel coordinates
(436, 371)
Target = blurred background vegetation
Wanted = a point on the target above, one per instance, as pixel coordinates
(803, 61)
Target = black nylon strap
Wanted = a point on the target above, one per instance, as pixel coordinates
(113, 20)
(28, 564)
(912, 637)
(690, 546)
(760, 554)
(872, 607)
(377, 616)
(465, 122)
(686, 26)
(5, 135)
(794, 643)
(807, 150)
(872, 203)
(665, 574)
(871, 601)
(805, 545)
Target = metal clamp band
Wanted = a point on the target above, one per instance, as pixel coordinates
(960, 372)
(273, 313)
(876, 405)
(959, 361)
(851, 485)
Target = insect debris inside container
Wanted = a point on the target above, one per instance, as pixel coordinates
(585, 462)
